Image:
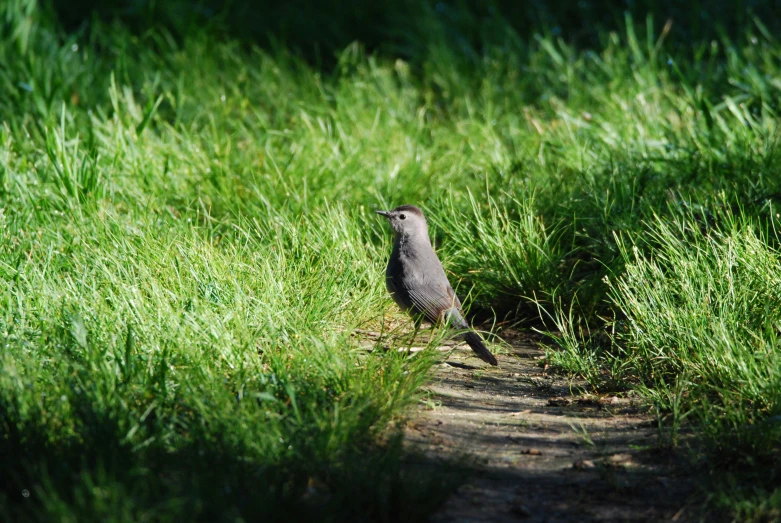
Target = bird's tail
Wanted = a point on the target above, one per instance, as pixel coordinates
(479, 347)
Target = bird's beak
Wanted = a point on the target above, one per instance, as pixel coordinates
(383, 213)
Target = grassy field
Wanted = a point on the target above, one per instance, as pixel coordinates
(187, 243)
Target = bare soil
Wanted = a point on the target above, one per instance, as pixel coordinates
(540, 449)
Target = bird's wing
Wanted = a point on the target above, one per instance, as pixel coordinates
(435, 300)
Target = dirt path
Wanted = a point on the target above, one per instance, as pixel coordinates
(540, 451)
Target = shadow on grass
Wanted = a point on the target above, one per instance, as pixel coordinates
(102, 479)
(320, 29)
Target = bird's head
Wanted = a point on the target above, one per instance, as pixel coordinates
(406, 220)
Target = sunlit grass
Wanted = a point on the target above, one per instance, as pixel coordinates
(187, 243)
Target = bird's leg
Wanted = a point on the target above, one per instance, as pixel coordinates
(416, 321)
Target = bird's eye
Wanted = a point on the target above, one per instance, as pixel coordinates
(402, 217)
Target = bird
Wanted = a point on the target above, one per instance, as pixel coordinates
(417, 282)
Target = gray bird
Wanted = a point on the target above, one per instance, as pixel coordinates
(416, 280)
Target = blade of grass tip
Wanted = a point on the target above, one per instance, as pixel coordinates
(150, 112)
(662, 37)
(127, 367)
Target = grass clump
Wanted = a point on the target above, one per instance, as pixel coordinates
(504, 253)
(701, 315)
(696, 331)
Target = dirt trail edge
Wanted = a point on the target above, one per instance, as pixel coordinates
(540, 451)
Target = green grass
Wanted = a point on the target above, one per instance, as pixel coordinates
(187, 243)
